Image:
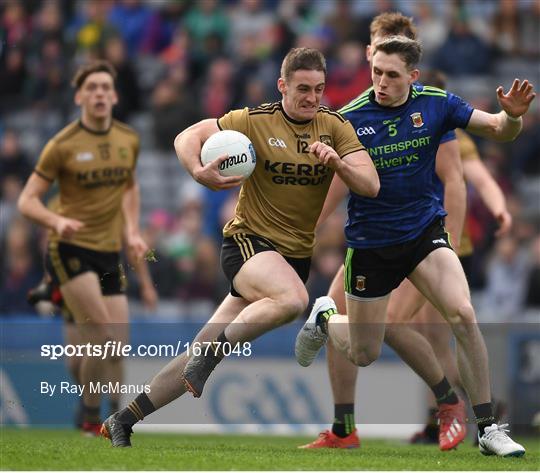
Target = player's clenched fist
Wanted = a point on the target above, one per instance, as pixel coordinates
(67, 227)
(326, 154)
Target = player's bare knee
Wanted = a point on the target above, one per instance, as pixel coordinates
(292, 305)
(366, 356)
(464, 314)
(463, 320)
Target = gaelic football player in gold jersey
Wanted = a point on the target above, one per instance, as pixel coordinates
(93, 159)
(268, 244)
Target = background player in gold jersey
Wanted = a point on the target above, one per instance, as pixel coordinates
(47, 298)
(93, 159)
(267, 246)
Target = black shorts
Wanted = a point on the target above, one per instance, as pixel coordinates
(237, 249)
(64, 261)
(375, 272)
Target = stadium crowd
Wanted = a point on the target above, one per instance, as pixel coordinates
(180, 61)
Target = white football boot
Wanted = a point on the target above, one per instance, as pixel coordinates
(496, 441)
(311, 337)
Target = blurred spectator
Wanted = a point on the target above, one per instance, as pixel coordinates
(13, 75)
(215, 93)
(463, 52)
(127, 84)
(516, 28)
(20, 272)
(195, 257)
(252, 67)
(132, 19)
(349, 75)
(505, 282)
(216, 212)
(11, 188)
(48, 82)
(529, 30)
(162, 266)
(15, 23)
(432, 29)
(505, 36)
(161, 27)
(178, 52)
(89, 27)
(173, 110)
(13, 161)
(208, 28)
(255, 93)
(250, 19)
(345, 25)
(525, 151)
(300, 16)
(48, 23)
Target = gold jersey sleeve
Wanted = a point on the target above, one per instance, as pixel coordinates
(468, 152)
(284, 196)
(93, 171)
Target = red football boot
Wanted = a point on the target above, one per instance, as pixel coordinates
(452, 425)
(328, 439)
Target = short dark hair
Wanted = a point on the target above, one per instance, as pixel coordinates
(409, 50)
(392, 24)
(86, 69)
(306, 59)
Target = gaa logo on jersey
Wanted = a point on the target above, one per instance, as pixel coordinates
(417, 119)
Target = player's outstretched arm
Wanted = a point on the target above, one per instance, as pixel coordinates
(491, 194)
(355, 169)
(449, 169)
(188, 146)
(31, 206)
(505, 125)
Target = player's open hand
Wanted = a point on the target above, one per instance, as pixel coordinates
(67, 227)
(209, 176)
(516, 102)
(325, 154)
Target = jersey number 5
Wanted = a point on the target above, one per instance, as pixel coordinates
(392, 129)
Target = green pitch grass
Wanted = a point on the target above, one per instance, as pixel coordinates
(67, 450)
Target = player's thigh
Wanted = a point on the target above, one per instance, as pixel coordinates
(367, 319)
(440, 277)
(84, 299)
(405, 302)
(337, 291)
(268, 274)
